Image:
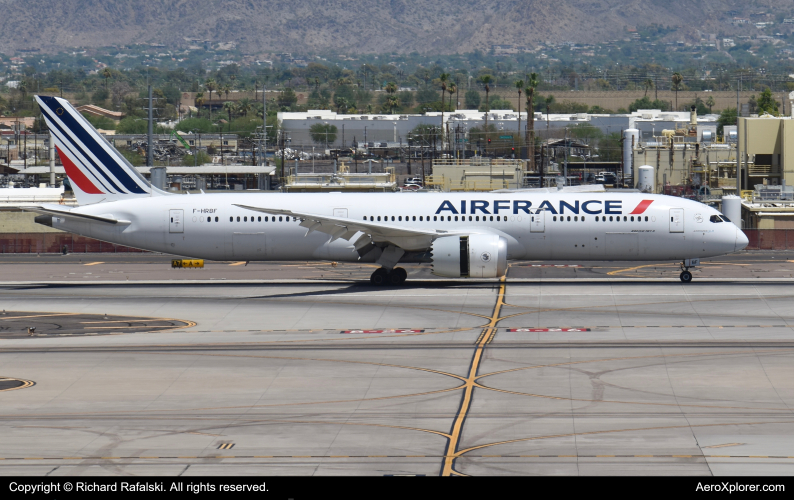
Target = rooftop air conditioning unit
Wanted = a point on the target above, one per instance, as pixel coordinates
(647, 116)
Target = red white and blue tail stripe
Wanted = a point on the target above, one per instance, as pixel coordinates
(97, 172)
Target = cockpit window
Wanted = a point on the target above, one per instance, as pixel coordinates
(724, 218)
(715, 218)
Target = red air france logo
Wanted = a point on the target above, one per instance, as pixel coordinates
(642, 207)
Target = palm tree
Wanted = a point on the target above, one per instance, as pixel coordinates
(530, 138)
(230, 108)
(391, 88)
(244, 106)
(451, 89)
(677, 79)
(226, 89)
(443, 78)
(106, 74)
(520, 86)
(486, 80)
(392, 102)
(710, 102)
(210, 85)
(648, 84)
(199, 102)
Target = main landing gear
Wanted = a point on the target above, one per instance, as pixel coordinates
(381, 276)
(686, 277)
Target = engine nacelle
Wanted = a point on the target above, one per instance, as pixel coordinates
(472, 256)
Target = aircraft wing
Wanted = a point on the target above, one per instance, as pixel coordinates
(369, 231)
(57, 211)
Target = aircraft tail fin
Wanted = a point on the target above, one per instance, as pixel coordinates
(96, 170)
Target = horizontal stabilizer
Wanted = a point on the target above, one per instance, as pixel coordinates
(71, 214)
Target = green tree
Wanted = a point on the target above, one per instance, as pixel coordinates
(648, 84)
(647, 103)
(520, 87)
(727, 117)
(472, 99)
(323, 133)
(210, 85)
(200, 158)
(767, 103)
(710, 103)
(230, 108)
(287, 98)
(486, 81)
(532, 83)
(100, 97)
(99, 122)
(677, 79)
(106, 74)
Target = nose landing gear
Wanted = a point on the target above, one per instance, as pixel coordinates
(395, 277)
(686, 276)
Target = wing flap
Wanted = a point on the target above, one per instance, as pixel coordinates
(344, 228)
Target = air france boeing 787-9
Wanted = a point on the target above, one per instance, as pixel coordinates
(460, 234)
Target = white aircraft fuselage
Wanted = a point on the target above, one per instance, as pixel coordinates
(537, 226)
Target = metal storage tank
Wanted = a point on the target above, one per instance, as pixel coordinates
(732, 208)
(631, 137)
(157, 176)
(646, 181)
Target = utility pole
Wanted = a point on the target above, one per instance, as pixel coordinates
(149, 138)
(738, 146)
(52, 160)
(264, 126)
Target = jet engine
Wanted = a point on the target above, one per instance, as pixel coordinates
(471, 256)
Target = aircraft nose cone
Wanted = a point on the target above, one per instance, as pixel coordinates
(741, 240)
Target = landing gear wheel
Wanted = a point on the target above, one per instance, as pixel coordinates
(686, 277)
(397, 276)
(378, 277)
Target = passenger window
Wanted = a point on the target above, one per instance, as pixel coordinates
(477, 218)
(216, 219)
(231, 219)
(671, 219)
(449, 218)
(554, 218)
(569, 218)
(209, 219)
(646, 218)
(365, 217)
(497, 218)
(596, 218)
(238, 218)
(625, 218)
(435, 217)
(379, 218)
(279, 219)
(267, 220)
(583, 218)
(414, 217)
(492, 218)
(456, 218)
(576, 218)
(420, 218)
(392, 218)
(245, 219)
(400, 218)
(610, 218)
(632, 218)
(371, 218)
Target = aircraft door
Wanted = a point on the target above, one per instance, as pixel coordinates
(676, 220)
(176, 221)
(537, 222)
(340, 212)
